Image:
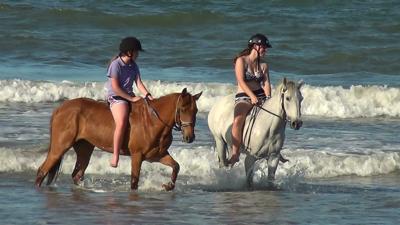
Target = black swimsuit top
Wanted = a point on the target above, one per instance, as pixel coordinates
(249, 76)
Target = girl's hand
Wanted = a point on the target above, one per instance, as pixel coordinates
(149, 97)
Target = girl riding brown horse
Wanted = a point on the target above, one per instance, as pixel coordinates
(84, 124)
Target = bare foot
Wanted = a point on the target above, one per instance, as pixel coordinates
(114, 162)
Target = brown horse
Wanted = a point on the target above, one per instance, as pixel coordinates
(84, 123)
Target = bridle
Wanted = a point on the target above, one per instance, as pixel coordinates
(178, 122)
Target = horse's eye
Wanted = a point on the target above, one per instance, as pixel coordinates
(287, 98)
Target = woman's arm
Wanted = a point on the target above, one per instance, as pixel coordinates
(266, 81)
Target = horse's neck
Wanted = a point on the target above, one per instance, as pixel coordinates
(274, 105)
(165, 108)
(276, 114)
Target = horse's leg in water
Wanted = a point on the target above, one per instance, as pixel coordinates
(169, 161)
(249, 169)
(136, 164)
(83, 151)
(273, 161)
(220, 146)
(53, 160)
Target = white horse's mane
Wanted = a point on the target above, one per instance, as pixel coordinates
(290, 85)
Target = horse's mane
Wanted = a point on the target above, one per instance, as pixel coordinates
(290, 85)
(161, 99)
(166, 96)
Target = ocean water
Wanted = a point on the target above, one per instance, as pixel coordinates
(344, 163)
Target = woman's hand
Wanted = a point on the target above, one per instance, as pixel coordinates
(149, 97)
(254, 100)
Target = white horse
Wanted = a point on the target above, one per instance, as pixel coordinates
(264, 129)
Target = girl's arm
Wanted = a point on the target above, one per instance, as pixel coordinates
(142, 88)
(120, 92)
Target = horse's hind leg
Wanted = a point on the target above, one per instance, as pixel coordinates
(220, 147)
(52, 163)
(169, 161)
(83, 151)
(60, 142)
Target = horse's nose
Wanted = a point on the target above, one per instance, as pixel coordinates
(296, 124)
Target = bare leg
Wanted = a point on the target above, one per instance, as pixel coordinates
(241, 110)
(169, 161)
(120, 113)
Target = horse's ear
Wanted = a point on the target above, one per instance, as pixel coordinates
(197, 96)
(184, 91)
(284, 84)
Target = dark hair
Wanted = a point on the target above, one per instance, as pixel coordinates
(130, 44)
(245, 51)
(127, 44)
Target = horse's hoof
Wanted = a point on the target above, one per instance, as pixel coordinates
(232, 161)
(39, 178)
(134, 186)
(282, 159)
(38, 182)
(168, 187)
(77, 179)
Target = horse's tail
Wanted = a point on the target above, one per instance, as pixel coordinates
(53, 172)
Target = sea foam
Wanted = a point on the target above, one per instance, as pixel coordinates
(199, 166)
(330, 101)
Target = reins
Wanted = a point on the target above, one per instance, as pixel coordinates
(283, 108)
(254, 113)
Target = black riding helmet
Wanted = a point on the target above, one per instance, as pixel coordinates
(130, 44)
(259, 39)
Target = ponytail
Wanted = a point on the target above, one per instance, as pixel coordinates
(112, 59)
(245, 51)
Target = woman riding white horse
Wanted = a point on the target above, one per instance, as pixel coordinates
(264, 129)
(252, 77)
